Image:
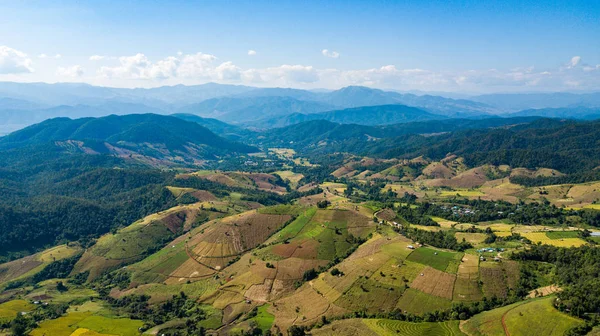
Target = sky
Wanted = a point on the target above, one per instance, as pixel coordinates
(451, 46)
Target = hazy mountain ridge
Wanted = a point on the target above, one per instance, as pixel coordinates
(367, 115)
(237, 110)
(23, 104)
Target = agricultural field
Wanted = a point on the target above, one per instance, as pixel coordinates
(473, 238)
(435, 282)
(294, 178)
(70, 323)
(372, 327)
(417, 302)
(9, 310)
(521, 318)
(438, 259)
(133, 242)
(466, 287)
(29, 266)
(370, 295)
(544, 238)
(461, 193)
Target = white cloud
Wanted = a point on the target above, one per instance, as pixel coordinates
(97, 58)
(74, 71)
(228, 71)
(575, 61)
(291, 74)
(197, 65)
(330, 54)
(179, 53)
(201, 67)
(42, 56)
(57, 56)
(14, 61)
(251, 52)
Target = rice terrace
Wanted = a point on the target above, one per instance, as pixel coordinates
(267, 168)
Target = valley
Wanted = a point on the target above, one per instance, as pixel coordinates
(363, 245)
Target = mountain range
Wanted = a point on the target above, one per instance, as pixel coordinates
(23, 104)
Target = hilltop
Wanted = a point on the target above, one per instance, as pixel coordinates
(150, 138)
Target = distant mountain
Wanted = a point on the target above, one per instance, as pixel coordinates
(367, 115)
(237, 103)
(355, 96)
(331, 137)
(13, 119)
(218, 127)
(517, 101)
(283, 92)
(18, 104)
(582, 113)
(148, 138)
(85, 94)
(238, 110)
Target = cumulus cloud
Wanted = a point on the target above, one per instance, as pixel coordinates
(74, 71)
(197, 65)
(330, 54)
(575, 61)
(291, 74)
(14, 61)
(57, 56)
(97, 58)
(251, 52)
(42, 56)
(228, 71)
(201, 67)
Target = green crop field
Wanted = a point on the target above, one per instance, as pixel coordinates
(10, 309)
(417, 302)
(264, 319)
(67, 324)
(562, 234)
(488, 322)
(397, 250)
(536, 316)
(393, 327)
(104, 325)
(541, 316)
(434, 258)
(370, 295)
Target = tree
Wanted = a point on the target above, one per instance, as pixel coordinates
(296, 331)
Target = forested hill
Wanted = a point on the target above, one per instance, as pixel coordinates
(571, 147)
(366, 115)
(309, 134)
(565, 145)
(223, 129)
(149, 135)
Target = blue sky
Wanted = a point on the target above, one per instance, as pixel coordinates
(460, 46)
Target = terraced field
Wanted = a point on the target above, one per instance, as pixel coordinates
(522, 318)
(417, 302)
(72, 322)
(393, 327)
(133, 243)
(9, 310)
(30, 265)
